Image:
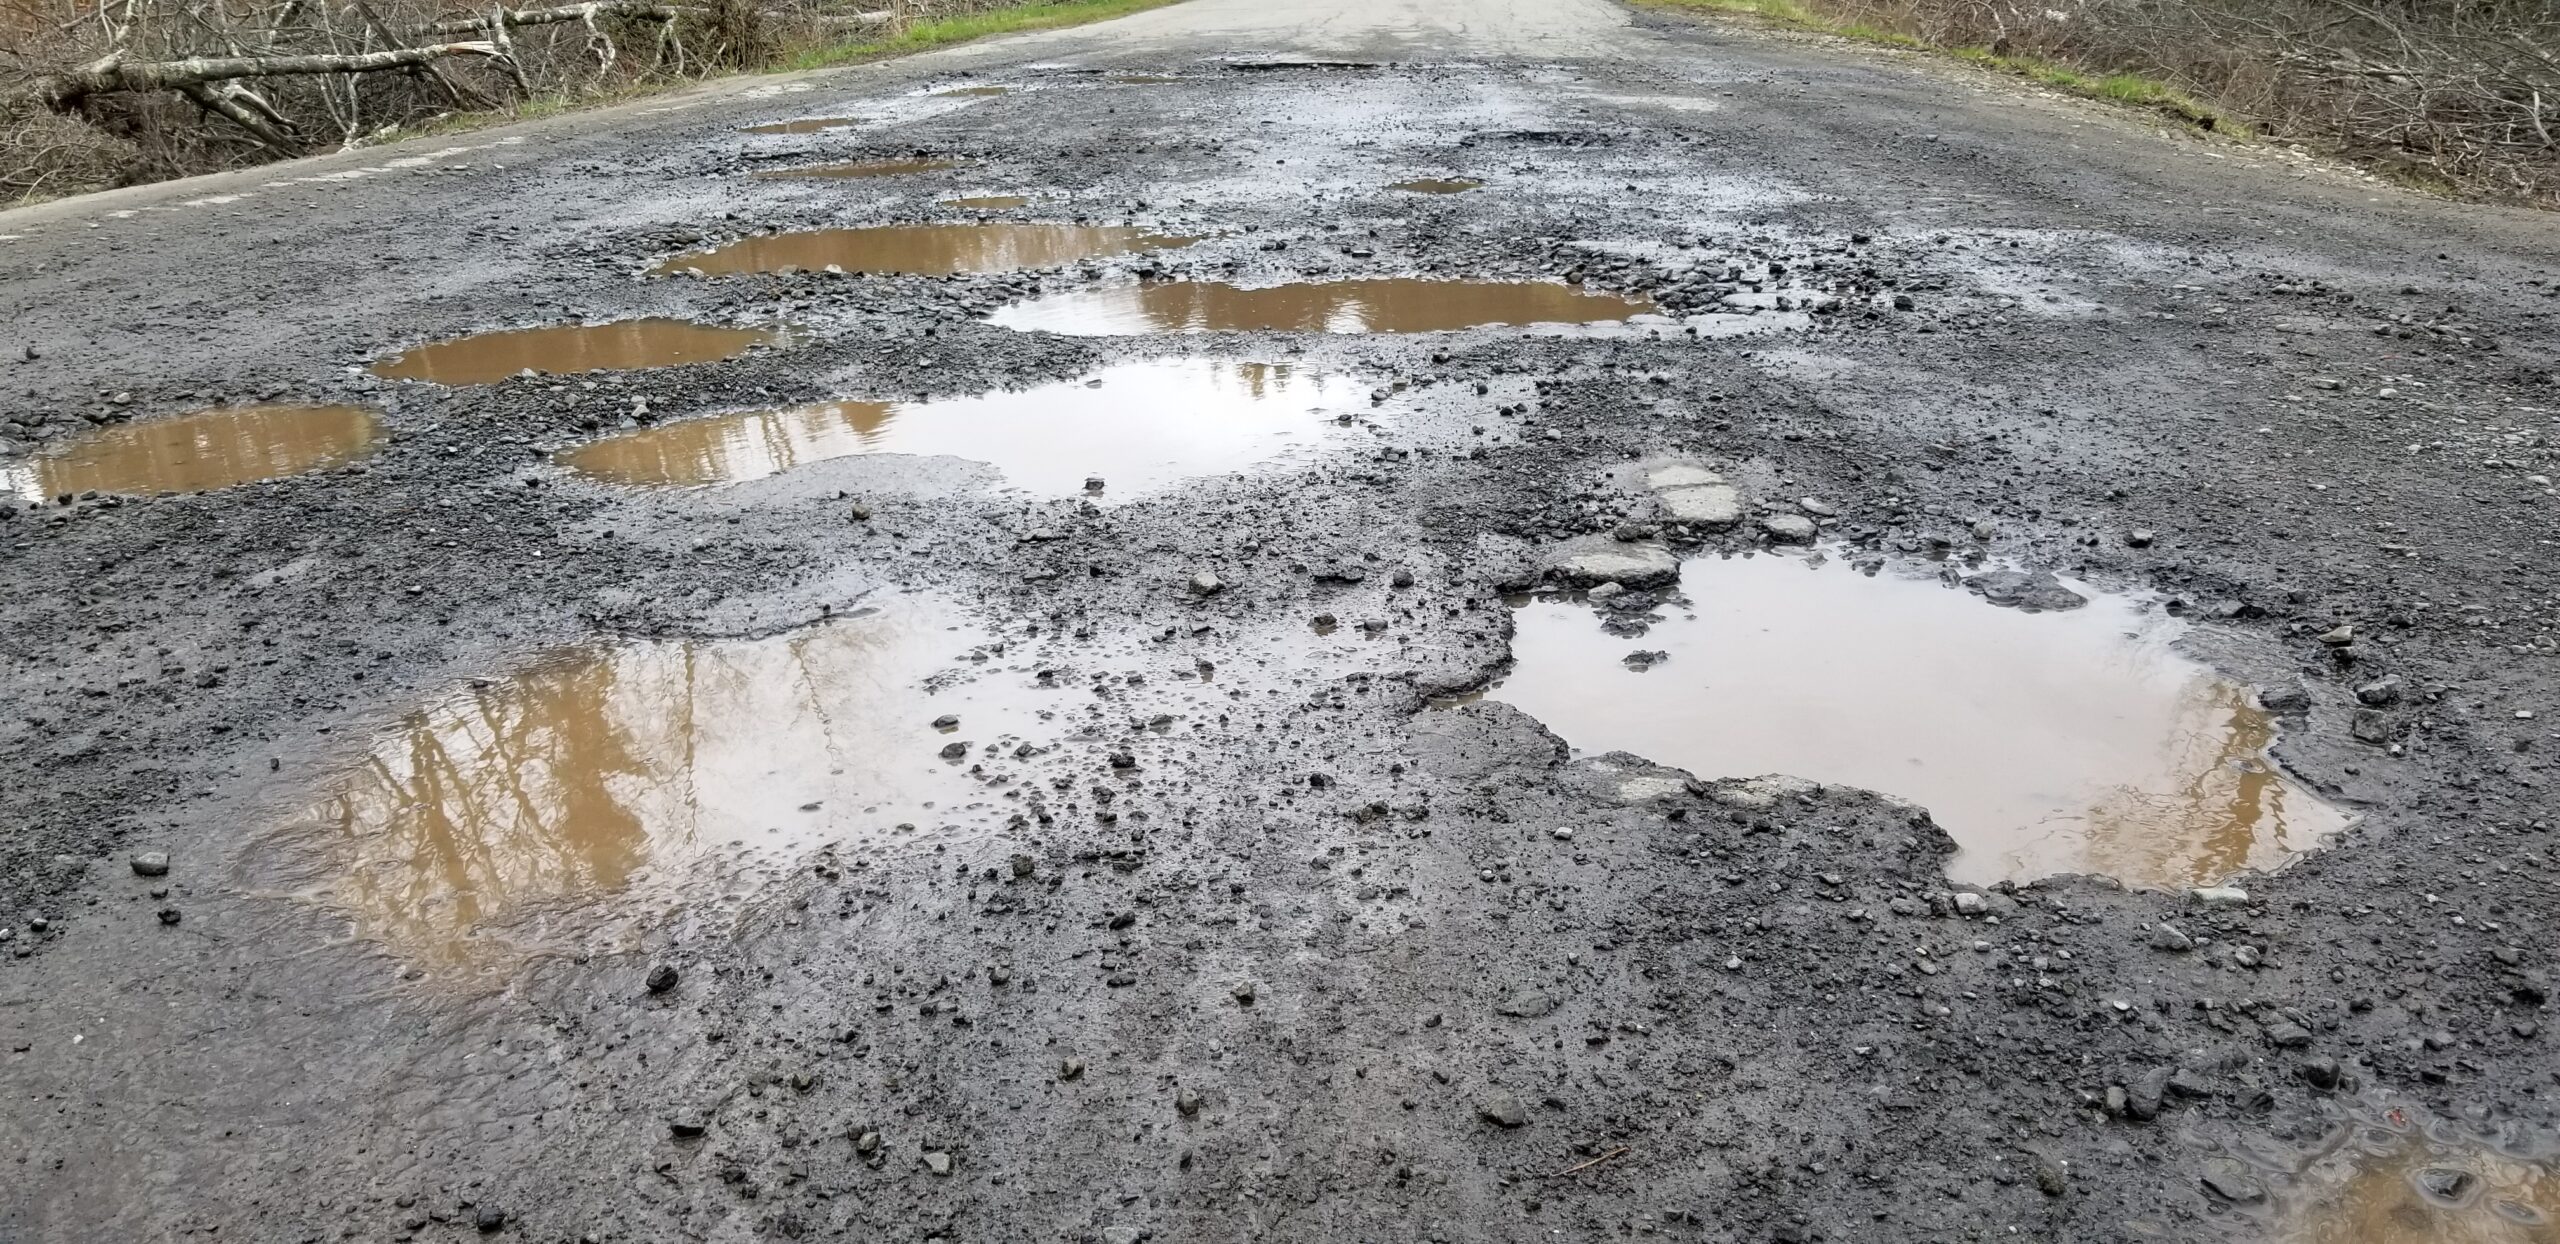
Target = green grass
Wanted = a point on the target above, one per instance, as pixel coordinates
(968, 26)
(2132, 90)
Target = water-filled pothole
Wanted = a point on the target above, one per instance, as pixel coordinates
(193, 452)
(2408, 1180)
(511, 804)
(1378, 305)
(921, 250)
(1437, 185)
(569, 349)
(897, 167)
(2046, 743)
(804, 125)
(1135, 427)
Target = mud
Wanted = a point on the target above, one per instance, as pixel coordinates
(1117, 433)
(989, 202)
(573, 349)
(973, 92)
(926, 250)
(804, 125)
(2075, 742)
(1352, 306)
(863, 168)
(1437, 185)
(1257, 944)
(194, 452)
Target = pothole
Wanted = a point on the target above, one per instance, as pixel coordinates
(194, 452)
(972, 92)
(804, 125)
(2057, 742)
(2402, 1181)
(988, 202)
(506, 807)
(897, 167)
(1437, 185)
(1142, 79)
(921, 250)
(1381, 305)
(570, 349)
(1134, 428)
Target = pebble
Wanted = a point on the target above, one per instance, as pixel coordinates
(1070, 1068)
(2229, 1179)
(1122, 1235)
(1206, 584)
(946, 721)
(954, 750)
(2219, 895)
(938, 1163)
(2381, 692)
(1501, 1109)
(867, 1143)
(151, 864)
(2340, 637)
(489, 1219)
(1527, 1004)
(2170, 938)
(169, 915)
(2140, 538)
(662, 978)
(1187, 1101)
(1788, 528)
(1023, 866)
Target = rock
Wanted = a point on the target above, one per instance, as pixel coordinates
(1681, 475)
(1716, 506)
(1243, 994)
(1206, 584)
(1968, 903)
(2229, 1179)
(2381, 692)
(1501, 1109)
(2220, 895)
(1788, 528)
(1589, 562)
(687, 1126)
(169, 915)
(2145, 1096)
(939, 1163)
(946, 721)
(2370, 725)
(1070, 1068)
(1122, 1235)
(2289, 1035)
(662, 978)
(2140, 538)
(2018, 589)
(489, 1219)
(954, 750)
(2321, 1072)
(2340, 637)
(2285, 700)
(151, 864)
(2188, 1084)
(2170, 938)
(1527, 1004)
(2446, 1185)
(1093, 483)
(1022, 867)
(867, 1143)
(1187, 1100)
(1817, 507)
(2050, 1180)
(1642, 660)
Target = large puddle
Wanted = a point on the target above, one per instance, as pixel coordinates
(2043, 743)
(866, 168)
(194, 452)
(1135, 427)
(1386, 305)
(568, 349)
(505, 804)
(921, 250)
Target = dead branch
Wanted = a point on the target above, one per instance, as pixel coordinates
(587, 13)
(112, 73)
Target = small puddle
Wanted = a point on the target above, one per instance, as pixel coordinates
(2406, 1182)
(1386, 305)
(509, 804)
(1437, 185)
(568, 349)
(805, 125)
(2043, 743)
(966, 92)
(194, 452)
(989, 202)
(921, 250)
(1136, 427)
(899, 167)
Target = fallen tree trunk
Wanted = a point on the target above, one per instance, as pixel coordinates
(566, 13)
(112, 73)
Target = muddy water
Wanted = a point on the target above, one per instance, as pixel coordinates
(511, 804)
(989, 202)
(805, 125)
(566, 349)
(968, 92)
(866, 168)
(2043, 743)
(1356, 306)
(2430, 1184)
(194, 452)
(1436, 185)
(1137, 427)
(922, 250)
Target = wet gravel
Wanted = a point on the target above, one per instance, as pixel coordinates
(1334, 964)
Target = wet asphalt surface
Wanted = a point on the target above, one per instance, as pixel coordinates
(1317, 965)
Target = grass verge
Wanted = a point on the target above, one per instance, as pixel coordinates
(2120, 88)
(968, 26)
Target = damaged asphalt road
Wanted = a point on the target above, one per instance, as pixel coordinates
(1226, 909)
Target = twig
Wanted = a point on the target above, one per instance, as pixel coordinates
(1576, 1169)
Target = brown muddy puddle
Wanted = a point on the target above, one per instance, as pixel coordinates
(805, 125)
(568, 349)
(511, 803)
(972, 92)
(1380, 305)
(1136, 427)
(1437, 185)
(898, 167)
(2044, 743)
(194, 452)
(921, 250)
(989, 202)
(2406, 1178)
